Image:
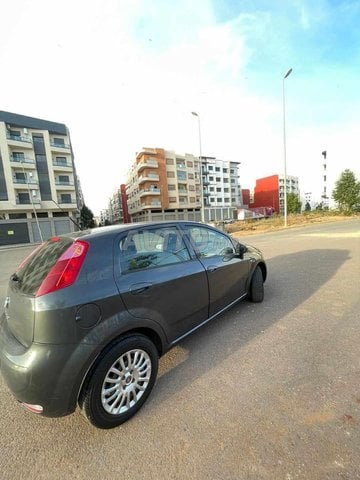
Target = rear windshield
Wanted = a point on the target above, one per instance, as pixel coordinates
(33, 272)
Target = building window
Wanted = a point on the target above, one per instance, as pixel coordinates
(171, 187)
(225, 170)
(191, 188)
(61, 161)
(59, 141)
(190, 164)
(226, 180)
(217, 169)
(226, 190)
(191, 176)
(65, 198)
(181, 175)
(211, 179)
(192, 199)
(172, 199)
(64, 179)
(210, 168)
(170, 174)
(212, 200)
(218, 179)
(169, 161)
(218, 189)
(16, 216)
(219, 200)
(232, 171)
(23, 198)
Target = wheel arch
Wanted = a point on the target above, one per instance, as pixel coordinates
(145, 331)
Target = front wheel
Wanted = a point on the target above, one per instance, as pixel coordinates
(256, 292)
(120, 383)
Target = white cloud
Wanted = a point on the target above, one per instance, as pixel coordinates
(135, 69)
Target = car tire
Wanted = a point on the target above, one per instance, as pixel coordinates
(120, 382)
(256, 292)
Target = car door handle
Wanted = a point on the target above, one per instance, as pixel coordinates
(138, 288)
(211, 268)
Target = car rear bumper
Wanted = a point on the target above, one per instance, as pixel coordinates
(49, 376)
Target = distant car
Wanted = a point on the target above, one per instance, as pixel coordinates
(88, 315)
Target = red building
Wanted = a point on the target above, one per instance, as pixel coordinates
(245, 192)
(266, 193)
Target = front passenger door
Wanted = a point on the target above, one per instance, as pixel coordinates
(226, 272)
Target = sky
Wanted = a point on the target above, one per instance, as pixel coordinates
(126, 74)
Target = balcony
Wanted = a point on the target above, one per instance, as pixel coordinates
(59, 146)
(152, 177)
(27, 201)
(183, 192)
(59, 165)
(147, 164)
(149, 191)
(64, 183)
(67, 201)
(20, 182)
(153, 204)
(26, 162)
(180, 166)
(23, 141)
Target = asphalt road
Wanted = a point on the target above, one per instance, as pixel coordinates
(267, 391)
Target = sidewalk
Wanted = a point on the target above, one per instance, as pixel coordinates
(18, 245)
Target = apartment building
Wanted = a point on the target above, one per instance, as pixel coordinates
(270, 191)
(40, 194)
(115, 208)
(221, 187)
(163, 185)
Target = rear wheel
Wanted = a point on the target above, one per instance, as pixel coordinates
(256, 292)
(120, 383)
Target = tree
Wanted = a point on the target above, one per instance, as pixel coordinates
(347, 192)
(86, 218)
(307, 207)
(293, 203)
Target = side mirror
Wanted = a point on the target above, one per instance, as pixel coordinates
(240, 250)
(228, 254)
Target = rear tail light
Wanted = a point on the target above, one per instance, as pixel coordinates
(66, 269)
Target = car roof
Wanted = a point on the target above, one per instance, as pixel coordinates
(115, 229)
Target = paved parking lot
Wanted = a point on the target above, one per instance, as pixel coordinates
(267, 391)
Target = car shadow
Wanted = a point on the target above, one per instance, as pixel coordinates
(292, 279)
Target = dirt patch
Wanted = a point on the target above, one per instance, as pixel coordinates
(247, 227)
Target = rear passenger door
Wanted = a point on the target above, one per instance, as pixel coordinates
(159, 279)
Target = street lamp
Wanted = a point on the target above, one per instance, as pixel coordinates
(285, 176)
(200, 161)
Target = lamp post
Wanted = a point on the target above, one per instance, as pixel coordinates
(200, 161)
(284, 123)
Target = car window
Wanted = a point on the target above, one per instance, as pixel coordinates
(210, 243)
(152, 247)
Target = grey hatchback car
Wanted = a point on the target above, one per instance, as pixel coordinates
(88, 315)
